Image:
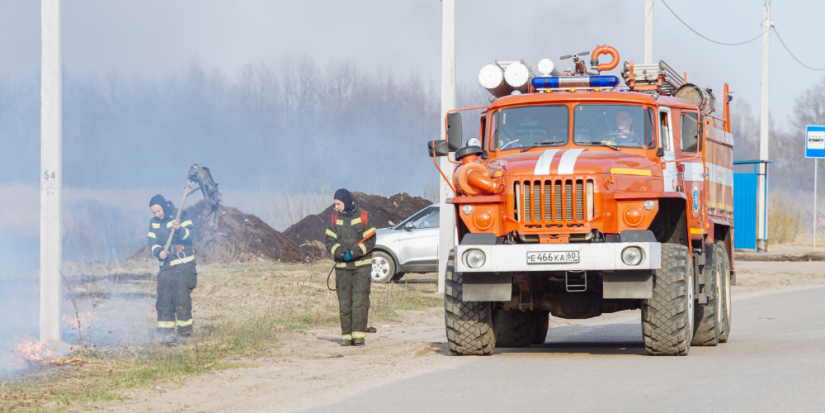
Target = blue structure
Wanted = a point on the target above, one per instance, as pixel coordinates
(745, 188)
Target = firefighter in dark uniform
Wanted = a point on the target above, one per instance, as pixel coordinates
(353, 264)
(177, 276)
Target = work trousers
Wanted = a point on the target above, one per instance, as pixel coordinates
(353, 287)
(174, 305)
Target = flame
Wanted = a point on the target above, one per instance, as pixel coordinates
(31, 352)
(82, 320)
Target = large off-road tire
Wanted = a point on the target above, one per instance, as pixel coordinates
(667, 318)
(383, 267)
(470, 325)
(515, 328)
(541, 323)
(727, 312)
(708, 321)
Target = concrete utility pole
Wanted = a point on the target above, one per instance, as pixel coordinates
(446, 238)
(648, 32)
(762, 190)
(51, 170)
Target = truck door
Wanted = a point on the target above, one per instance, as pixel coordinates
(693, 170)
(666, 143)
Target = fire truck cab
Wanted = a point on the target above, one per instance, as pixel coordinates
(583, 196)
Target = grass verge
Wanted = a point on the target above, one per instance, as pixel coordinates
(241, 311)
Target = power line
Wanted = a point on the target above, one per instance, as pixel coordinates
(707, 38)
(747, 41)
(792, 55)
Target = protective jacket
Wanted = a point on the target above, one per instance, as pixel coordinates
(177, 276)
(343, 232)
(181, 251)
(352, 277)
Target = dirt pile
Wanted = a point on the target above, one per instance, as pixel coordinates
(237, 237)
(387, 212)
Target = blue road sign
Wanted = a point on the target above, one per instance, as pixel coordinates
(815, 141)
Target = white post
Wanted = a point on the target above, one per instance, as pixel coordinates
(648, 32)
(815, 167)
(51, 170)
(446, 238)
(762, 195)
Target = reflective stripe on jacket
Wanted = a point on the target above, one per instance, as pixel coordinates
(348, 231)
(181, 251)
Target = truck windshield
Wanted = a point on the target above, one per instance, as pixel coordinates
(527, 126)
(612, 125)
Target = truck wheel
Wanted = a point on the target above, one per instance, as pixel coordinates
(515, 328)
(667, 318)
(724, 331)
(541, 323)
(709, 316)
(383, 267)
(470, 325)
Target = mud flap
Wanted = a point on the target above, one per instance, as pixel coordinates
(487, 287)
(635, 284)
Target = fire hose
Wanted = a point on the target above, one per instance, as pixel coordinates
(333, 265)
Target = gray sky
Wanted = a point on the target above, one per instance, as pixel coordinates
(153, 37)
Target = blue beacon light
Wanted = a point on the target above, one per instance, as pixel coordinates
(555, 82)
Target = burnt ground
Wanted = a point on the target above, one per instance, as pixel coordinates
(237, 237)
(386, 212)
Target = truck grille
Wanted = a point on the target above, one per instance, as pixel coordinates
(556, 201)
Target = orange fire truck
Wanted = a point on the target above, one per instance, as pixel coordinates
(585, 193)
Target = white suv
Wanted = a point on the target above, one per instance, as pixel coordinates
(411, 246)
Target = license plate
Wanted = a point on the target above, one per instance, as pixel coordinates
(557, 257)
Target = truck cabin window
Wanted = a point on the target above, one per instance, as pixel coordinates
(690, 132)
(626, 126)
(663, 129)
(529, 126)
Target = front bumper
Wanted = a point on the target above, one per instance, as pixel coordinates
(592, 257)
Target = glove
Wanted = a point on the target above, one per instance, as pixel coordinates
(347, 256)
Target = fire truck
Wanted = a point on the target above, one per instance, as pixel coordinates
(587, 193)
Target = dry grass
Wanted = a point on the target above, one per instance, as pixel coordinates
(240, 311)
(787, 219)
(285, 210)
(225, 252)
(431, 191)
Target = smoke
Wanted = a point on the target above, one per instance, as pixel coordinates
(296, 121)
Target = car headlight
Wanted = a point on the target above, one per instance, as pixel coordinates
(474, 258)
(632, 255)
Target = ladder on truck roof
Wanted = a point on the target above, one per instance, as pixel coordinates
(658, 77)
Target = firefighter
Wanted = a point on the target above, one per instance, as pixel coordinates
(177, 276)
(627, 136)
(349, 225)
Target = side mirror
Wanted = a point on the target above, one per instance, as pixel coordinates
(454, 135)
(438, 148)
(660, 152)
(408, 226)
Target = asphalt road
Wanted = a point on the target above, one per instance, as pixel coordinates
(774, 362)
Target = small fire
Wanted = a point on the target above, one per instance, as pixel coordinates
(31, 352)
(82, 320)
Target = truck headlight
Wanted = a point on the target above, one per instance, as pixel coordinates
(474, 258)
(632, 255)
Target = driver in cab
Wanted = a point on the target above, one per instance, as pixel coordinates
(625, 135)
